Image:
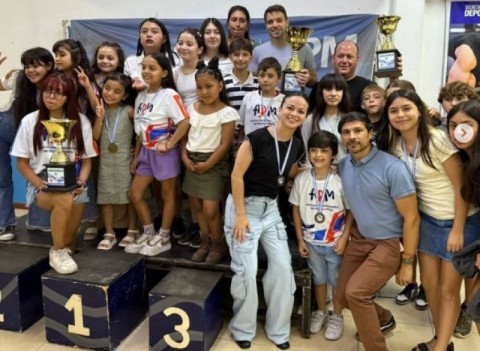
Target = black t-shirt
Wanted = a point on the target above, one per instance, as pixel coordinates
(355, 85)
(261, 177)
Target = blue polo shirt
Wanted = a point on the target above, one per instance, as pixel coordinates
(371, 186)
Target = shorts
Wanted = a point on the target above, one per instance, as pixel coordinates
(324, 263)
(150, 163)
(434, 234)
(32, 195)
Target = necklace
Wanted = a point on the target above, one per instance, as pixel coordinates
(413, 169)
(281, 166)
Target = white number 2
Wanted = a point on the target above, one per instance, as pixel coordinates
(182, 328)
(75, 303)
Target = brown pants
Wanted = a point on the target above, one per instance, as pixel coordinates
(367, 265)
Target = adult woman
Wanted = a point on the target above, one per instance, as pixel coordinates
(447, 222)
(238, 24)
(215, 44)
(263, 163)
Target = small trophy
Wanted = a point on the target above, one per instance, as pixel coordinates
(60, 171)
(387, 56)
(296, 38)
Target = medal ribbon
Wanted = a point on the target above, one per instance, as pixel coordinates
(277, 150)
(314, 181)
(111, 137)
(405, 157)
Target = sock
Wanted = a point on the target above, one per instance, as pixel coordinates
(149, 229)
(164, 232)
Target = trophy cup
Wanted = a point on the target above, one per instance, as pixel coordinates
(387, 56)
(296, 38)
(60, 171)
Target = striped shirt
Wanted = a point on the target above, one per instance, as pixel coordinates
(236, 90)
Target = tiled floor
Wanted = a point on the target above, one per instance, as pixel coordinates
(412, 327)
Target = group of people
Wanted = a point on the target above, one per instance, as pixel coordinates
(371, 177)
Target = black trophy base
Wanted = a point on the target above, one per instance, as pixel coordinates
(290, 84)
(60, 177)
(386, 63)
(60, 189)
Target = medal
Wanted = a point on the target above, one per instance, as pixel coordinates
(281, 168)
(319, 217)
(112, 147)
(281, 181)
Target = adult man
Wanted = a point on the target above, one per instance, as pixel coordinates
(381, 195)
(276, 21)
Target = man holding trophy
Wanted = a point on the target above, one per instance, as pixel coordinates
(53, 148)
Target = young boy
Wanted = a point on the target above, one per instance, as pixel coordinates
(319, 215)
(454, 93)
(373, 100)
(259, 108)
(241, 80)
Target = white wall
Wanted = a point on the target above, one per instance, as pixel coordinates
(420, 34)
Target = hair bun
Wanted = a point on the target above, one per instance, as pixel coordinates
(213, 63)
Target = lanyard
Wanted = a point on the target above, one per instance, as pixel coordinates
(264, 113)
(151, 102)
(405, 157)
(319, 216)
(111, 137)
(281, 169)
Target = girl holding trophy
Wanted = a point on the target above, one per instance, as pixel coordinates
(33, 148)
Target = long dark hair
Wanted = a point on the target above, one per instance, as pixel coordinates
(330, 81)
(163, 61)
(223, 48)
(247, 16)
(387, 136)
(59, 82)
(118, 50)
(471, 186)
(165, 48)
(25, 100)
(213, 71)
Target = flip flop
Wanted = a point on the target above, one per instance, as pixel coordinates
(421, 347)
(90, 234)
(129, 238)
(107, 244)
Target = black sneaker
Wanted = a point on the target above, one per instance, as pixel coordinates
(196, 240)
(407, 294)
(464, 324)
(384, 328)
(192, 232)
(7, 233)
(178, 228)
(421, 303)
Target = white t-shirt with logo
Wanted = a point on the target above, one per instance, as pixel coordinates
(257, 112)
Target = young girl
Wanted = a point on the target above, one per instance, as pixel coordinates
(108, 58)
(447, 222)
(33, 149)
(215, 44)
(160, 123)
(205, 155)
(113, 129)
(238, 24)
(332, 102)
(153, 38)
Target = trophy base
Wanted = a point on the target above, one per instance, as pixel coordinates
(386, 64)
(290, 84)
(60, 177)
(55, 189)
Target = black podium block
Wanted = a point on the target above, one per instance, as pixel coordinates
(21, 268)
(98, 306)
(185, 310)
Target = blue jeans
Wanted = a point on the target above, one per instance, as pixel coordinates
(324, 263)
(278, 281)
(7, 134)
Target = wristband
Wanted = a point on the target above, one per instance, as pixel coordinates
(407, 260)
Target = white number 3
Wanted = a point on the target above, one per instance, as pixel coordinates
(182, 328)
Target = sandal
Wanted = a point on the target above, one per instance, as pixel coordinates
(90, 234)
(421, 347)
(129, 238)
(109, 240)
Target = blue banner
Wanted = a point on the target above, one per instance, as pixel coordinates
(465, 12)
(327, 32)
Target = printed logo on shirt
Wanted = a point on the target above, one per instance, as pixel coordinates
(158, 133)
(325, 235)
(328, 194)
(144, 107)
(263, 111)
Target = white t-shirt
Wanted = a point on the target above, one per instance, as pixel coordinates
(157, 114)
(334, 206)
(257, 112)
(186, 86)
(23, 143)
(434, 189)
(205, 132)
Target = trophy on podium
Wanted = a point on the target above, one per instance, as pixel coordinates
(60, 171)
(387, 57)
(296, 38)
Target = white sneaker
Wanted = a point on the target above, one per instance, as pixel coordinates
(334, 327)
(62, 262)
(7, 233)
(318, 321)
(156, 245)
(138, 244)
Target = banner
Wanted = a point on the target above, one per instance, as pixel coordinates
(463, 58)
(327, 32)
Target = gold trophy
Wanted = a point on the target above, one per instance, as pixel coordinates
(296, 38)
(60, 171)
(387, 57)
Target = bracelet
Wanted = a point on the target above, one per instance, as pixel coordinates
(407, 260)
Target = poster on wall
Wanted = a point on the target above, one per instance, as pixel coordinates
(463, 54)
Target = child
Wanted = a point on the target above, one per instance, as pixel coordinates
(332, 102)
(373, 100)
(215, 44)
(205, 154)
(319, 218)
(160, 123)
(108, 58)
(153, 38)
(33, 149)
(260, 108)
(113, 129)
(241, 80)
(454, 93)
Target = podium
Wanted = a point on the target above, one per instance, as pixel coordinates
(98, 306)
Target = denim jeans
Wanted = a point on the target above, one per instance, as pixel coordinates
(278, 281)
(7, 134)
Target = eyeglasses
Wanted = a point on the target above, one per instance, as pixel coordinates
(52, 93)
